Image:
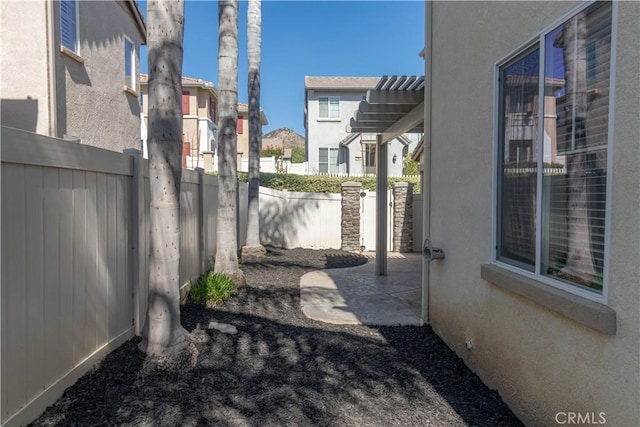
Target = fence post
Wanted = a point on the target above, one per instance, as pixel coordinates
(402, 217)
(351, 216)
(202, 221)
(138, 227)
(207, 160)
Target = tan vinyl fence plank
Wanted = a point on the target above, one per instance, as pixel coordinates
(13, 196)
(4, 349)
(79, 265)
(112, 252)
(51, 267)
(65, 206)
(91, 244)
(122, 309)
(34, 228)
(102, 272)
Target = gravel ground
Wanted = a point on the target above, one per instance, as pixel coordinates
(282, 369)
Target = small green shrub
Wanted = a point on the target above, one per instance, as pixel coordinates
(411, 167)
(297, 155)
(211, 289)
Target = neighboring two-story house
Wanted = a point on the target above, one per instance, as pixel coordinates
(199, 121)
(69, 70)
(330, 103)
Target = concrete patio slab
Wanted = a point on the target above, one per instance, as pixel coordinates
(356, 296)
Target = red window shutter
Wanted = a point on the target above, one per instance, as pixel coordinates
(185, 102)
(239, 125)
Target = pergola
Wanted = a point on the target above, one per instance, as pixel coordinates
(394, 107)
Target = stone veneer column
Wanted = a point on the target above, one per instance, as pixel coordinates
(351, 216)
(403, 217)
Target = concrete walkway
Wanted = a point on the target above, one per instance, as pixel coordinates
(356, 296)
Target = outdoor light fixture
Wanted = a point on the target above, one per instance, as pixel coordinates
(394, 158)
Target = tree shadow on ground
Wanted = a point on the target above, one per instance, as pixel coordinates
(282, 368)
(297, 372)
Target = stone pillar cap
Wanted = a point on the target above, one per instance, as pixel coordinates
(351, 184)
(402, 184)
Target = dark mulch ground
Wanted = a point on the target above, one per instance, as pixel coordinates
(284, 369)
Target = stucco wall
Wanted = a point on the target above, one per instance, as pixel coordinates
(24, 86)
(541, 362)
(91, 101)
(329, 133)
(198, 129)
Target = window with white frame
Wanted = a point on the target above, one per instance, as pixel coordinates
(329, 107)
(129, 64)
(328, 159)
(553, 145)
(69, 25)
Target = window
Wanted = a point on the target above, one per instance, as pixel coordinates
(69, 25)
(369, 158)
(329, 107)
(185, 102)
(552, 172)
(129, 64)
(240, 125)
(328, 160)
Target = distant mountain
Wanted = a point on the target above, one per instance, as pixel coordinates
(288, 137)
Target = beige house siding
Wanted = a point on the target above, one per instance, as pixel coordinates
(198, 127)
(25, 84)
(85, 98)
(243, 138)
(541, 363)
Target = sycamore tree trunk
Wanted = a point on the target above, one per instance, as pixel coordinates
(227, 226)
(254, 29)
(162, 335)
(579, 265)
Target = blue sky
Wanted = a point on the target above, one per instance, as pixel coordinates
(341, 38)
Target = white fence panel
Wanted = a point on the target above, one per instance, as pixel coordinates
(297, 168)
(267, 164)
(368, 219)
(293, 219)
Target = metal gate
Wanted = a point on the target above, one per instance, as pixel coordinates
(368, 220)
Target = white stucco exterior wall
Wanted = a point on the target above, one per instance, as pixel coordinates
(323, 133)
(541, 362)
(24, 87)
(328, 132)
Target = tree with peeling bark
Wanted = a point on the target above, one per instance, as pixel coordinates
(163, 336)
(226, 261)
(254, 248)
(579, 265)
